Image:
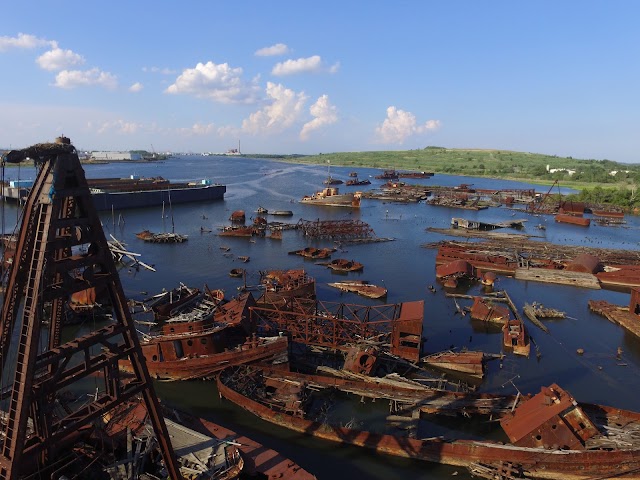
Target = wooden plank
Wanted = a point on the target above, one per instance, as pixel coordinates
(563, 277)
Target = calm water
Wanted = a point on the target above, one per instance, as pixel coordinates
(403, 266)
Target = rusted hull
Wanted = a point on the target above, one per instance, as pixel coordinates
(537, 462)
(206, 366)
(330, 197)
(172, 300)
(342, 265)
(366, 290)
(259, 460)
(608, 213)
(572, 219)
(470, 363)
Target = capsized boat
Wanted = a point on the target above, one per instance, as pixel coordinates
(548, 435)
(331, 197)
(361, 287)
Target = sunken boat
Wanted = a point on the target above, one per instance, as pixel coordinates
(548, 435)
(198, 345)
(165, 302)
(281, 286)
(314, 252)
(165, 237)
(331, 197)
(361, 287)
(344, 265)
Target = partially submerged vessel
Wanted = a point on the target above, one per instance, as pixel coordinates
(549, 435)
(168, 237)
(205, 449)
(466, 362)
(163, 303)
(331, 197)
(344, 265)
(281, 286)
(202, 341)
(515, 337)
(314, 252)
(356, 182)
(361, 287)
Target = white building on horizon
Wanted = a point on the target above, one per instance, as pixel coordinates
(115, 156)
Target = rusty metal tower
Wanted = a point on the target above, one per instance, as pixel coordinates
(61, 249)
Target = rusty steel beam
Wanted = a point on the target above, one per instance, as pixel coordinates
(339, 325)
(337, 229)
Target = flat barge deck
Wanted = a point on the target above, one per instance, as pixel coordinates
(120, 193)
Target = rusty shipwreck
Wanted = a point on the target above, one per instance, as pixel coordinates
(548, 435)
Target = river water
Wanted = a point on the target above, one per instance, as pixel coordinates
(403, 265)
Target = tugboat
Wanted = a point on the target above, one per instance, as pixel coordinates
(331, 197)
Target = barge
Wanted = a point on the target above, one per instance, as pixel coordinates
(134, 192)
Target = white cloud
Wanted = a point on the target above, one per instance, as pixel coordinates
(219, 83)
(324, 114)
(285, 109)
(198, 129)
(136, 87)
(118, 126)
(77, 78)
(301, 65)
(23, 41)
(59, 59)
(399, 125)
(163, 71)
(277, 49)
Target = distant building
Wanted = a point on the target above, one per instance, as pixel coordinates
(115, 156)
(566, 170)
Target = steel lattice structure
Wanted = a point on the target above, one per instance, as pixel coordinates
(61, 249)
(339, 325)
(336, 229)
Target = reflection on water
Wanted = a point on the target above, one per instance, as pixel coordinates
(403, 266)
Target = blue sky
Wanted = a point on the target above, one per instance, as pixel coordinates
(554, 77)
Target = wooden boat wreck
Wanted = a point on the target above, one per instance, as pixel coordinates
(168, 237)
(236, 272)
(548, 435)
(467, 362)
(344, 265)
(314, 252)
(361, 287)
